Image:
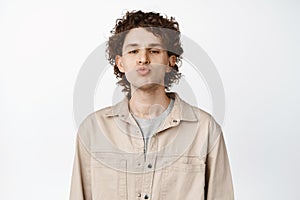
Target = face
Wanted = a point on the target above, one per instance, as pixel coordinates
(144, 61)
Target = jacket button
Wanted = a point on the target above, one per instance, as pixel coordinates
(146, 197)
(139, 195)
(149, 166)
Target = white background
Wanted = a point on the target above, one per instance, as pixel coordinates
(254, 44)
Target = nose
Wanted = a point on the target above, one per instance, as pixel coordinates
(143, 58)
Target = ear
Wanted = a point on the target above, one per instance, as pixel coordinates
(119, 63)
(172, 62)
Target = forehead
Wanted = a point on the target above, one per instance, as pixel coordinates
(141, 37)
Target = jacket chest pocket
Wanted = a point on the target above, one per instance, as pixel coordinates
(184, 179)
(109, 179)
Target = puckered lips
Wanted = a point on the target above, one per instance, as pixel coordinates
(143, 70)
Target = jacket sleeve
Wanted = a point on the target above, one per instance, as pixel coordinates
(81, 176)
(218, 179)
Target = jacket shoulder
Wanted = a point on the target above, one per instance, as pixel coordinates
(209, 123)
(89, 127)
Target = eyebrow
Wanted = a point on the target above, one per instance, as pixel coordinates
(151, 45)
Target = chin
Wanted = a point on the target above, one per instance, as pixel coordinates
(148, 86)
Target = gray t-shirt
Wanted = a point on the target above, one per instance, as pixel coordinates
(150, 126)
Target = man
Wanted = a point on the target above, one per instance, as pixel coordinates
(151, 145)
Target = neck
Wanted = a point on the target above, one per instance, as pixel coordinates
(149, 103)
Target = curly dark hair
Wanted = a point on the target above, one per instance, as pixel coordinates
(167, 29)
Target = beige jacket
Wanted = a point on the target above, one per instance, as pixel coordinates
(186, 158)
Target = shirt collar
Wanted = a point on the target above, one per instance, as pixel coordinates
(181, 110)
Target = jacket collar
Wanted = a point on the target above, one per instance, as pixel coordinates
(181, 111)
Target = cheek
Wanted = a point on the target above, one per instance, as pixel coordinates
(162, 63)
(127, 62)
(159, 70)
(127, 65)
(131, 74)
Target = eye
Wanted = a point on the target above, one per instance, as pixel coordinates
(133, 51)
(154, 51)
